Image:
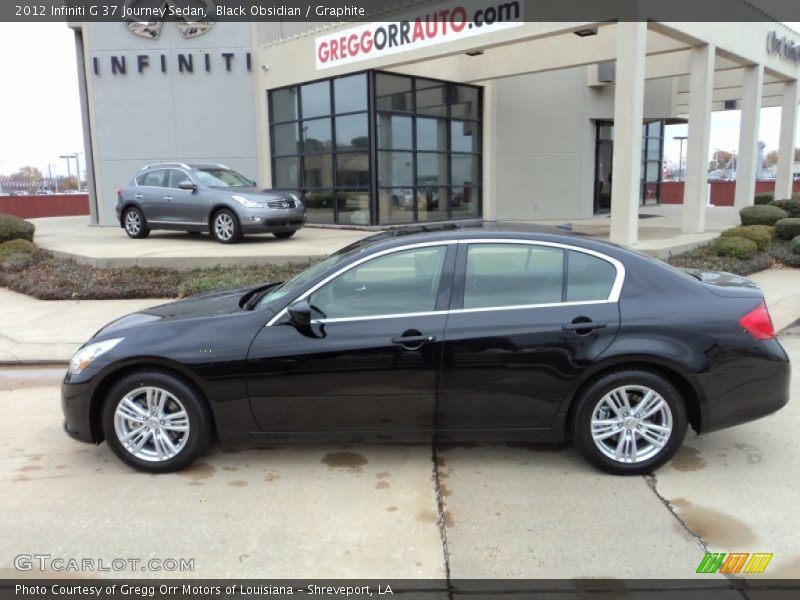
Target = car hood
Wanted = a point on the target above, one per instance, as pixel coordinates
(257, 194)
(203, 305)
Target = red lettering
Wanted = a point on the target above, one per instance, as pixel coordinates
(444, 14)
(334, 49)
(366, 42)
(352, 44)
(458, 23)
(418, 34)
(343, 47)
(431, 31)
(323, 52)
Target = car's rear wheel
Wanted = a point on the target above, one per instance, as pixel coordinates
(135, 224)
(225, 227)
(155, 422)
(284, 234)
(629, 422)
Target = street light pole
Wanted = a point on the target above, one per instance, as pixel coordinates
(69, 171)
(681, 139)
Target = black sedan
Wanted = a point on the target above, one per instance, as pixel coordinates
(538, 333)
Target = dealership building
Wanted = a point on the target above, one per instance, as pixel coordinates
(439, 112)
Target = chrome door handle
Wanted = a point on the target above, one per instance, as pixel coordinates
(583, 325)
(167, 197)
(138, 196)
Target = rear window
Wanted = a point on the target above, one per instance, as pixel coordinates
(589, 277)
(152, 178)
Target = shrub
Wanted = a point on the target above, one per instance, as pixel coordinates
(765, 198)
(18, 254)
(735, 247)
(14, 228)
(761, 215)
(787, 229)
(794, 245)
(792, 207)
(762, 235)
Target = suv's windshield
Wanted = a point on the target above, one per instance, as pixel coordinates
(304, 277)
(215, 177)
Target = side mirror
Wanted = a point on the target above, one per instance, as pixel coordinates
(187, 185)
(300, 316)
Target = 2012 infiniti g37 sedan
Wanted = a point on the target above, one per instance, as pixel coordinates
(535, 333)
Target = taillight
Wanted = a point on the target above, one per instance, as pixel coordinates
(758, 323)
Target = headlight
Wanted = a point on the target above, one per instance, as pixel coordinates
(245, 201)
(84, 357)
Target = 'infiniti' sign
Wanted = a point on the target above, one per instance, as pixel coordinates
(783, 47)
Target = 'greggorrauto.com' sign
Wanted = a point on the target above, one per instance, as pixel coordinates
(435, 25)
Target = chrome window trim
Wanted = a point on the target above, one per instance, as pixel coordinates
(613, 296)
(352, 265)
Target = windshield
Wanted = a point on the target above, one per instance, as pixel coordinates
(304, 277)
(216, 177)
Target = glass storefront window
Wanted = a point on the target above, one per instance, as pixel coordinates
(285, 139)
(317, 135)
(286, 172)
(316, 99)
(352, 169)
(422, 138)
(353, 207)
(317, 170)
(465, 136)
(395, 132)
(395, 168)
(432, 134)
(350, 93)
(352, 132)
(320, 206)
(393, 92)
(284, 105)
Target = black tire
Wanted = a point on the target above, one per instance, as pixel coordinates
(235, 229)
(184, 397)
(284, 235)
(590, 399)
(135, 224)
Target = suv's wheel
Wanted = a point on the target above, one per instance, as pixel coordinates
(225, 227)
(284, 234)
(154, 422)
(135, 224)
(629, 422)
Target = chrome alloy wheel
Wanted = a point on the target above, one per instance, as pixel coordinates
(224, 226)
(151, 424)
(133, 222)
(631, 424)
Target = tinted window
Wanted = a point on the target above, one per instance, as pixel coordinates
(398, 283)
(316, 99)
(284, 105)
(154, 178)
(350, 93)
(175, 177)
(512, 275)
(589, 277)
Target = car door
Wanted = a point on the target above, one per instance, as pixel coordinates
(149, 193)
(526, 319)
(375, 361)
(183, 207)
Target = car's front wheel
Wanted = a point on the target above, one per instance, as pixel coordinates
(155, 422)
(225, 227)
(629, 422)
(135, 224)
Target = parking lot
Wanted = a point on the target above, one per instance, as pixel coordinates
(396, 511)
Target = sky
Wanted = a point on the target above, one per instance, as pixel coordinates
(40, 116)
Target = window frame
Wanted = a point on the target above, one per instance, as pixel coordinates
(459, 284)
(164, 178)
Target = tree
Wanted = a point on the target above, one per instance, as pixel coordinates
(771, 159)
(28, 174)
(721, 159)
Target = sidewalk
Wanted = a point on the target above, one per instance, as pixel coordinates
(40, 331)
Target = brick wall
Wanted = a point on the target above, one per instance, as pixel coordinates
(722, 192)
(32, 207)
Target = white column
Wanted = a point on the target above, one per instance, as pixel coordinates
(701, 82)
(783, 181)
(628, 119)
(746, 166)
(490, 151)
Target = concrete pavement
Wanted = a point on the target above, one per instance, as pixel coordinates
(110, 247)
(321, 510)
(42, 331)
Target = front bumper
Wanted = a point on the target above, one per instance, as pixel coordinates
(271, 220)
(76, 404)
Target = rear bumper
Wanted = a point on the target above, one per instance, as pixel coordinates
(746, 389)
